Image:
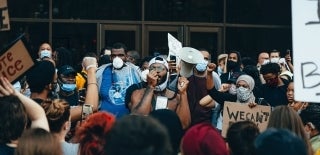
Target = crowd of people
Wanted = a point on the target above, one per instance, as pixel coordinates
(154, 105)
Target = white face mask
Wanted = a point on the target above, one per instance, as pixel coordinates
(243, 94)
(117, 62)
(45, 53)
(274, 60)
(233, 89)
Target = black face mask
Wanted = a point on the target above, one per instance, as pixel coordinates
(231, 65)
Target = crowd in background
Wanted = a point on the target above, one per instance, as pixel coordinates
(117, 103)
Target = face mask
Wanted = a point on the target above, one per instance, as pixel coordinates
(45, 53)
(265, 62)
(233, 89)
(243, 94)
(68, 87)
(117, 63)
(219, 70)
(201, 67)
(273, 82)
(231, 65)
(274, 60)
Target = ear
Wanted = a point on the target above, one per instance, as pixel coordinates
(65, 125)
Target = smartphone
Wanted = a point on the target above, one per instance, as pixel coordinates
(86, 111)
(173, 58)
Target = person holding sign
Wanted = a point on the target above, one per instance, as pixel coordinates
(144, 97)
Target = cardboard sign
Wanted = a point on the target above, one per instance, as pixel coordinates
(306, 36)
(4, 16)
(235, 112)
(15, 61)
(174, 46)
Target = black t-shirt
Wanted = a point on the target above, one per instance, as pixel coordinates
(275, 96)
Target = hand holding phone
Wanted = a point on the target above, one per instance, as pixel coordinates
(86, 111)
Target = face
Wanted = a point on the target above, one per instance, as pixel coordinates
(145, 65)
(161, 71)
(243, 84)
(274, 55)
(206, 55)
(130, 58)
(68, 79)
(290, 92)
(270, 77)
(118, 53)
(262, 57)
(233, 57)
(44, 46)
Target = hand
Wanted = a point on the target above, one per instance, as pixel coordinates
(211, 67)
(252, 105)
(89, 62)
(172, 66)
(224, 87)
(152, 79)
(182, 84)
(6, 88)
(288, 58)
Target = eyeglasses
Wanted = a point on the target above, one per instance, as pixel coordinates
(117, 55)
(157, 68)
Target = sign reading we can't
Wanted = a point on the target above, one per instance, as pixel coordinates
(236, 112)
(15, 61)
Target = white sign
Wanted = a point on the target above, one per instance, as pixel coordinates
(4, 16)
(306, 49)
(174, 45)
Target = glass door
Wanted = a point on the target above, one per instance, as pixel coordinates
(127, 34)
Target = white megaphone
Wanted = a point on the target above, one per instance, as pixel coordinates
(189, 58)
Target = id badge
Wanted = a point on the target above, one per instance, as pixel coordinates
(161, 102)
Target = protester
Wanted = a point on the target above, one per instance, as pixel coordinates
(241, 136)
(291, 121)
(154, 91)
(311, 120)
(112, 92)
(138, 135)
(203, 139)
(92, 132)
(15, 108)
(38, 141)
(279, 142)
(296, 105)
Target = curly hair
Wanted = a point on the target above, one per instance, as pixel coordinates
(57, 112)
(91, 134)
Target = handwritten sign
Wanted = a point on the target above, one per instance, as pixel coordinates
(306, 48)
(235, 112)
(4, 16)
(15, 61)
(174, 45)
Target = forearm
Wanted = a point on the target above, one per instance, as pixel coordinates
(35, 112)
(210, 83)
(92, 96)
(144, 107)
(183, 111)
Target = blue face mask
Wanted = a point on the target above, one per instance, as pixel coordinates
(68, 87)
(201, 67)
(45, 53)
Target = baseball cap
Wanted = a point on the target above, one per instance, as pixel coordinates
(66, 70)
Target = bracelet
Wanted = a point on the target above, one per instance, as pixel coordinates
(92, 83)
